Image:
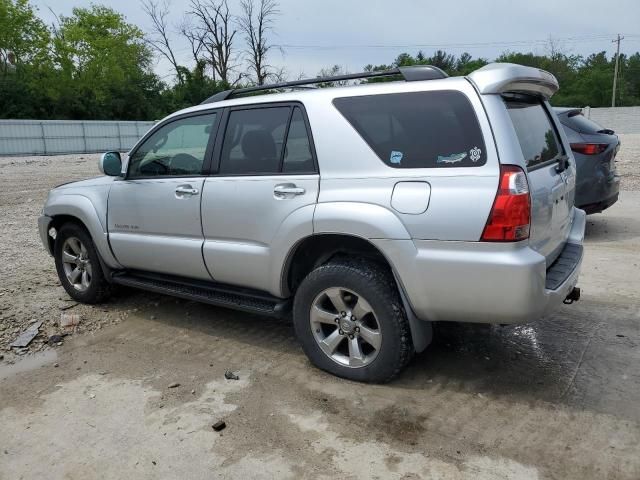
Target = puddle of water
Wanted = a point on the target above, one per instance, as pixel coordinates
(28, 363)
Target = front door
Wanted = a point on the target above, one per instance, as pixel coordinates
(262, 196)
(154, 213)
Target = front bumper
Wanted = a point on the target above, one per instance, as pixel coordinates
(483, 282)
(43, 227)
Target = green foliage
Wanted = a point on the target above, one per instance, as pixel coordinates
(453, 66)
(24, 59)
(583, 81)
(103, 67)
(93, 65)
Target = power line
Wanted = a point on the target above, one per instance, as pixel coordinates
(582, 38)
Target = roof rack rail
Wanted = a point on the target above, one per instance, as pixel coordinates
(410, 74)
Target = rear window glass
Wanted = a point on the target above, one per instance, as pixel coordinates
(580, 123)
(418, 129)
(537, 137)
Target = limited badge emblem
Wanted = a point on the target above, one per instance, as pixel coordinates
(474, 154)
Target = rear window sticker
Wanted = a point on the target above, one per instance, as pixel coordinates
(396, 157)
(453, 158)
(474, 154)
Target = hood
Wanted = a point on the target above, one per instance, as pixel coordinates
(91, 182)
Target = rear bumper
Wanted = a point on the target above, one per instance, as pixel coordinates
(602, 205)
(484, 282)
(596, 190)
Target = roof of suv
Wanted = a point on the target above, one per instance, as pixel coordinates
(494, 78)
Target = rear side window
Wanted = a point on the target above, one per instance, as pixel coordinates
(297, 152)
(418, 129)
(538, 139)
(254, 140)
(266, 141)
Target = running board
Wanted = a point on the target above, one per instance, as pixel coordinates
(213, 294)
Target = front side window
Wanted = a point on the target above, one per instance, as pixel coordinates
(175, 149)
(538, 140)
(418, 129)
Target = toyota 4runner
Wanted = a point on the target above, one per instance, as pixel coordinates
(367, 211)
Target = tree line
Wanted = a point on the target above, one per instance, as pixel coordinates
(93, 64)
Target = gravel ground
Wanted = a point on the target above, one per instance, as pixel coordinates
(31, 291)
(628, 161)
(555, 399)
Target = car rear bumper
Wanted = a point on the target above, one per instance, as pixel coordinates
(484, 282)
(602, 205)
(596, 191)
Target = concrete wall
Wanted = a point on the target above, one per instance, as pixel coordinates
(51, 137)
(618, 119)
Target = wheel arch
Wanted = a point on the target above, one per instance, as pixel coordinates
(317, 249)
(80, 210)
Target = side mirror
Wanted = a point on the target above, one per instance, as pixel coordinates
(110, 164)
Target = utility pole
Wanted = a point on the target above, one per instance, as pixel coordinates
(615, 73)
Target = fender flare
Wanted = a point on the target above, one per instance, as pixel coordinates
(363, 220)
(80, 207)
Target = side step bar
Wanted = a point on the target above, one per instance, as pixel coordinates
(213, 294)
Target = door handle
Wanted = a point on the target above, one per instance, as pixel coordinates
(186, 190)
(287, 189)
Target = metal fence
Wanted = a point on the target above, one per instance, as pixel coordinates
(54, 137)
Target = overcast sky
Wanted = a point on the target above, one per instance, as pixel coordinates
(353, 33)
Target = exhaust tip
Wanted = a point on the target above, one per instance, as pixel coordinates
(573, 296)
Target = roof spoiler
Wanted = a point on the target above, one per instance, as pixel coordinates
(513, 78)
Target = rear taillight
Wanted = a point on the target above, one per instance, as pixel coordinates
(589, 148)
(510, 215)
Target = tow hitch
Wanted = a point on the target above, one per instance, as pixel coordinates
(573, 296)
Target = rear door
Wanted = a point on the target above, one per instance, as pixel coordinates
(261, 194)
(551, 185)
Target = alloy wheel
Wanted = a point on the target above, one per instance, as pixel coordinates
(345, 327)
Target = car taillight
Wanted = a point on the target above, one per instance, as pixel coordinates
(589, 148)
(510, 215)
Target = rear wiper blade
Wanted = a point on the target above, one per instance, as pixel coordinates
(606, 131)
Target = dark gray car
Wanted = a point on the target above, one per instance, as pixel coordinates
(595, 149)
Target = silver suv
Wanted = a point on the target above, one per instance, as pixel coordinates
(367, 211)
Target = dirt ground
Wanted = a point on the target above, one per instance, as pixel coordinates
(558, 399)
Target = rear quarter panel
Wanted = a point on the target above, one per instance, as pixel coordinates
(460, 198)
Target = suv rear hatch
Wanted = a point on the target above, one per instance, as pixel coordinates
(550, 175)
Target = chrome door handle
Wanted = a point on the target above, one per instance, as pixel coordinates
(286, 189)
(186, 191)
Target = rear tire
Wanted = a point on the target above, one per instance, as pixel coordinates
(349, 318)
(78, 265)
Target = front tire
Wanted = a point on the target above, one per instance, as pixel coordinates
(78, 265)
(350, 321)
